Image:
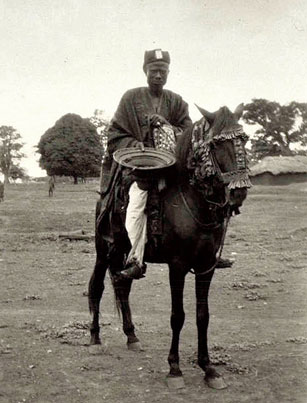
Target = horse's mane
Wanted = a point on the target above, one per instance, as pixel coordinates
(183, 148)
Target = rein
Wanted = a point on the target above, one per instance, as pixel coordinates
(208, 226)
(220, 250)
(220, 205)
(201, 224)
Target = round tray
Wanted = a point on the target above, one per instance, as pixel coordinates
(147, 160)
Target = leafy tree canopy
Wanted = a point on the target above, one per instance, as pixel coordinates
(71, 148)
(10, 149)
(279, 126)
(17, 172)
(102, 124)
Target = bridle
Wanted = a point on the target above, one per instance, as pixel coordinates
(237, 178)
(202, 163)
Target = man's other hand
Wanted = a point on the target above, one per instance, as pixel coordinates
(157, 120)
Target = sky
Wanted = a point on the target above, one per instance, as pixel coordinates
(75, 56)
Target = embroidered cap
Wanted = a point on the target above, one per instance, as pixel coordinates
(156, 55)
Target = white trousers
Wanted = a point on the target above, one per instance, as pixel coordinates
(136, 222)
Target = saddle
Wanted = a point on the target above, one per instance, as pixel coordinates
(112, 207)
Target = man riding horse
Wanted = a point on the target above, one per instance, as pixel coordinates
(205, 187)
(143, 117)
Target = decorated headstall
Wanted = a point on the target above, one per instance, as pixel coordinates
(202, 162)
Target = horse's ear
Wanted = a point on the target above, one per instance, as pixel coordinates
(238, 111)
(208, 115)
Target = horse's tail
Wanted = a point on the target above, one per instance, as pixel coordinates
(96, 283)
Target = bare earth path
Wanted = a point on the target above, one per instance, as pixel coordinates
(258, 329)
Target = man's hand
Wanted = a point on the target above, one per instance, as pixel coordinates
(157, 120)
(140, 145)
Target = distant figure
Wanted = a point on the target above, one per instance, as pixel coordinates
(1, 191)
(51, 186)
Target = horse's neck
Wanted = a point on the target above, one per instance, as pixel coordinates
(193, 196)
(198, 198)
(204, 205)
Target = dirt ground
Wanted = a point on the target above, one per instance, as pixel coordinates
(257, 335)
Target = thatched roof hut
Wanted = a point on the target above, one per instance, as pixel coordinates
(279, 170)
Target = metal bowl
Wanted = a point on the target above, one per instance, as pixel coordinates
(150, 159)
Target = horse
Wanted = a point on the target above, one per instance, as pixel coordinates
(209, 185)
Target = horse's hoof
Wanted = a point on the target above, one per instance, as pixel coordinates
(175, 382)
(136, 346)
(216, 382)
(97, 349)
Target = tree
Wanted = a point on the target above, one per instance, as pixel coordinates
(279, 126)
(10, 147)
(17, 172)
(71, 148)
(102, 124)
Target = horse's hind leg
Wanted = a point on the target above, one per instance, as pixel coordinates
(96, 287)
(122, 288)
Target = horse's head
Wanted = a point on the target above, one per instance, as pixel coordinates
(217, 157)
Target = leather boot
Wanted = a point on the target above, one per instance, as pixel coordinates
(134, 270)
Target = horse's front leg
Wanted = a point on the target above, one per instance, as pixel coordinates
(202, 285)
(176, 279)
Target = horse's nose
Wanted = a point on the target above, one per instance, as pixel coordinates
(237, 196)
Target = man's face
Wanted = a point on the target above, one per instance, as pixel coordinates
(157, 73)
